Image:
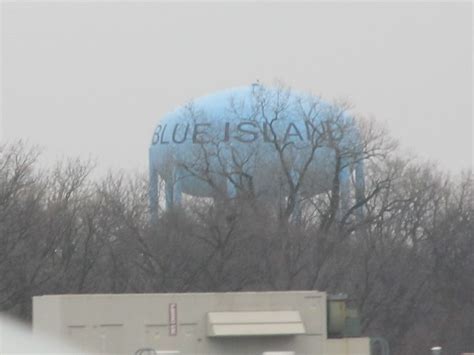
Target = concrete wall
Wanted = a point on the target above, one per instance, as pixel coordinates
(121, 324)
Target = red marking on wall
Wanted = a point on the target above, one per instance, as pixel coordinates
(173, 319)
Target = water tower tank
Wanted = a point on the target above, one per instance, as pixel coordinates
(250, 137)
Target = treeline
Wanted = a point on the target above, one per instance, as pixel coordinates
(408, 264)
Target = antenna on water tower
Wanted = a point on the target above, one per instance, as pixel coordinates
(254, 85)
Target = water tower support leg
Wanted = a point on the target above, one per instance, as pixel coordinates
(231, 190)
(177, 186)
(344, 190)
(296, 216)
(153, 192)
(359, 187)
(169, 194)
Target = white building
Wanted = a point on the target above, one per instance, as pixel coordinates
(199, 323)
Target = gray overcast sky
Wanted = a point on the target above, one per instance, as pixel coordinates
(94, 78)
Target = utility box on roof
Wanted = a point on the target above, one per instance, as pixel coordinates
(195, 323)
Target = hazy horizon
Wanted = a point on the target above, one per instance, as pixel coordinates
(93, 79)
